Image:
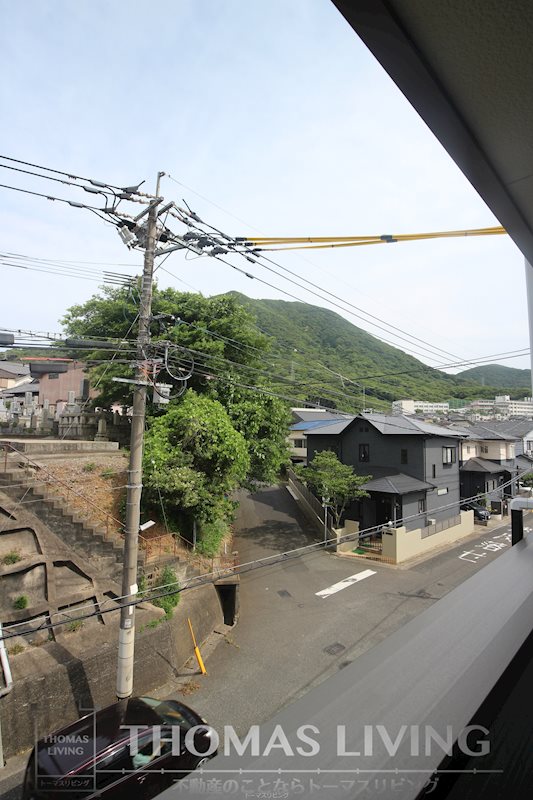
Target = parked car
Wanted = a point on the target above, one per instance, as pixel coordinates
(96, 757)
(480, 512)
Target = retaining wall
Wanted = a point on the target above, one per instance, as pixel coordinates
(51, 684)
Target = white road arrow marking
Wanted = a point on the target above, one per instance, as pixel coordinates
(359, 576)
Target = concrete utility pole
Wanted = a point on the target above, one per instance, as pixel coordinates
(126, 642)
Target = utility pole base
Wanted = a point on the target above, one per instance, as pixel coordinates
(126, 642)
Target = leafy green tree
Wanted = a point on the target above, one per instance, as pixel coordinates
(264, 421)
(327, 477)
(216, 331)
(195, 458)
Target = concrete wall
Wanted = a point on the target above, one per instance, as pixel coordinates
(401, 545)
(50, 683)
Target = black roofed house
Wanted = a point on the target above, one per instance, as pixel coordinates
(414, 467)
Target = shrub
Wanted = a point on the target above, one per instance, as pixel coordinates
(12, 557)
(90, 467)
(21, 602)
(169, 601)
(75, 625)
(210, 539)
(15, 650)
(107, 473)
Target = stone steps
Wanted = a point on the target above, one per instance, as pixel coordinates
(89, 539)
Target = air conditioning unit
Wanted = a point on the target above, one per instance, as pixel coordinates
(431, 521)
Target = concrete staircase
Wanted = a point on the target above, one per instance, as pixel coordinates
(88, 538)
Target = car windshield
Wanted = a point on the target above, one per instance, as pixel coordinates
(172, 713)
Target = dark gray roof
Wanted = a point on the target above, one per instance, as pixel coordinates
(14, 368)
(513, 427)
(390, 482)
(389, 424)
(21, 389)
(524, 462)
(488, 433)
(482, 465)
(401, 425)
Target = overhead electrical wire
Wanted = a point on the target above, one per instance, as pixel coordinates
(434, 351)
(134, 189)
(247, 224)
(319, 242)
(11, 631)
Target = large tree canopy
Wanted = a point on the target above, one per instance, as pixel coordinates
(228, 354)
(215, 329)
(195, 458)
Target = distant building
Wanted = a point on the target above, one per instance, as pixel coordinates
(422, 406)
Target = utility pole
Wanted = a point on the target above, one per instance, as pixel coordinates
(126, 641)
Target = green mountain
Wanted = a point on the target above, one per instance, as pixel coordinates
(499, 376)
(311, 343)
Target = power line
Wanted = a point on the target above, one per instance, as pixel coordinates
(336, 297)
(249, 255)
(200, 580)
(134, 189)
(51, 197)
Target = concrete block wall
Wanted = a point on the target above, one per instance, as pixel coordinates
(401, 545)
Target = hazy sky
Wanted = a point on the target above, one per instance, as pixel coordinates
(276, 112)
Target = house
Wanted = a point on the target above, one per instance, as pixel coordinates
(488, 462)
(414, 467)
(522, 429)
(12, 373)
(304, 420)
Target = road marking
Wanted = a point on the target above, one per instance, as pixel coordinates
(359, 576)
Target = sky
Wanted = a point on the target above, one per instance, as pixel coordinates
(273, 117)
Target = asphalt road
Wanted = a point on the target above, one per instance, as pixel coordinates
(289, 638)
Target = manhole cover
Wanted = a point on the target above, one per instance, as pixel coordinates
(334, 649)
(284, 593)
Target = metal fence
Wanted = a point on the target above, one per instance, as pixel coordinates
(440, 526)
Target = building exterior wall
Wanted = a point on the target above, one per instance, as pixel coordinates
(443, 501)
(386, 451)
(56, 389)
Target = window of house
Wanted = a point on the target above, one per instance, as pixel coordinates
(364, 452)
(53, 375)
(529, 444)
(434, 471)
(422, 506)
(299, 442)
(403, 456)
(449, 455)
(484, 448)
